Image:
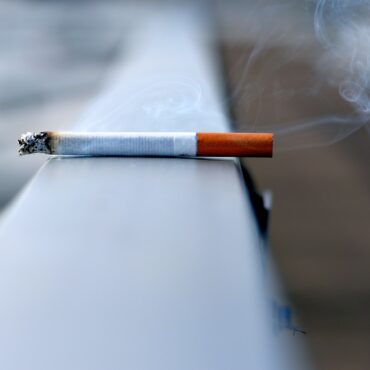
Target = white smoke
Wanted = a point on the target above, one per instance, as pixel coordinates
(309, 67)
(343, 28)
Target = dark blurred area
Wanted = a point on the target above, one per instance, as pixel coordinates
(55, 55)
(319, 225)
(319, 176)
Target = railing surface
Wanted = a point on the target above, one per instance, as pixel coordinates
(140, 263)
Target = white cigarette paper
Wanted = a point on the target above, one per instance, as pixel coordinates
(167, 144)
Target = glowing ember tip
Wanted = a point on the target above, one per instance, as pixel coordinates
(32, 142)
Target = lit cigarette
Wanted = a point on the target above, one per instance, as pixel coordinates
(162, 144)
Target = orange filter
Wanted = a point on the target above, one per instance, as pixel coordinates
(234, 144)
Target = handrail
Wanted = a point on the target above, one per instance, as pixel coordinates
(141, 263)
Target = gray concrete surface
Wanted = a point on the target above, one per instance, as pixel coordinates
(114, 263)
(143, 263)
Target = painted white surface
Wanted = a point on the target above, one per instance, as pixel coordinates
(167, 144)
(140, 263)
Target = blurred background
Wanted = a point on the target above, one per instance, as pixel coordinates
(297, 68)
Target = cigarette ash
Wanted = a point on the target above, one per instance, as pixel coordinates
(32, 142)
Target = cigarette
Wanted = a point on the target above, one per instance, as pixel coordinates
(161, 144)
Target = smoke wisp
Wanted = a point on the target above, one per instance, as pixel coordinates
(307, 72)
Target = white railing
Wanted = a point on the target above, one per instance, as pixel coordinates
(141, 263)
